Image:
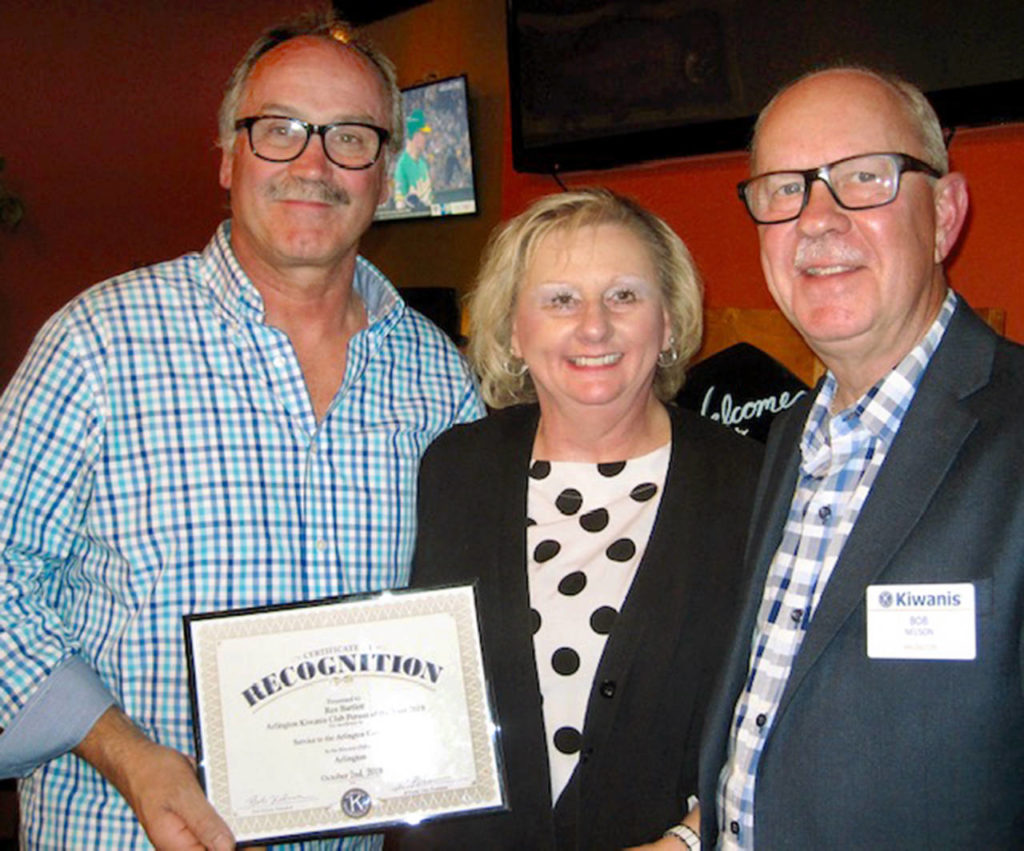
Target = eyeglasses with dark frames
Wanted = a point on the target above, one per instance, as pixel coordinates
(860, 182)
(348, 144)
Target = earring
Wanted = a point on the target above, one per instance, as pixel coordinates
(668, 357)
(516, 367)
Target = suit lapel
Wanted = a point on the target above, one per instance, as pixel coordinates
(917, 464)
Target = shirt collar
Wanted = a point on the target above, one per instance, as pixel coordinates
(380, 298)
(229, 285)
(881, 409)
(236, 294)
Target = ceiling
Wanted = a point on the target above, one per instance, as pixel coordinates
(361, 12)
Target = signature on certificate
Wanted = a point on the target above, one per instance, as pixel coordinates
(270, 803)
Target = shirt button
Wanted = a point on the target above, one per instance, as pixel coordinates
(734, 828)
(321, 544)
(761, 720)
(608, 688)
(796, 615)
(824, 512)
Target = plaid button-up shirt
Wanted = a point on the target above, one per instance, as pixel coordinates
(159, 455)
(841, 455)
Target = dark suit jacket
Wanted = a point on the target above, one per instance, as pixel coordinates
(901, 753)
(641, 734)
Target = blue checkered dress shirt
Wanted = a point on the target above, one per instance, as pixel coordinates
(159, 455)
(840, 459)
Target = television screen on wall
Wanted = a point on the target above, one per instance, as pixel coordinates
(602, 83)
(433, 176)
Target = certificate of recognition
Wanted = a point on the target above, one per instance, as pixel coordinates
(342, 716)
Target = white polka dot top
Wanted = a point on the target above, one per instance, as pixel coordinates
(587, 528)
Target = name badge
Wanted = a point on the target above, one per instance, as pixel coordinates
(929, 621)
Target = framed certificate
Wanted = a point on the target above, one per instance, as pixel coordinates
(343, 715)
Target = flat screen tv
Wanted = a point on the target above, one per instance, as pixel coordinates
(602, 83)
(433, 176)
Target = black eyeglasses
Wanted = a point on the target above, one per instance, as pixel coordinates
(856, 183)
(347, 144)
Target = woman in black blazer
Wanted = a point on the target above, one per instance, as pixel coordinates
(604, 529)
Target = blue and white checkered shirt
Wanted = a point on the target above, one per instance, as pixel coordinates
(159, 455)
(841, 456)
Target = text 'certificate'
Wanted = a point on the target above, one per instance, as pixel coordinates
(339, 716)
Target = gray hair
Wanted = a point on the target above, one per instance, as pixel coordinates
(320, 24)
(918, 111)
(510, 250)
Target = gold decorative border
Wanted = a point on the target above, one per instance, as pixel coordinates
(207, 632)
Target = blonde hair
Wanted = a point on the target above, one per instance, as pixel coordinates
(510, 250)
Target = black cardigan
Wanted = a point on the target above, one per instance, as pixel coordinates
(638, 759)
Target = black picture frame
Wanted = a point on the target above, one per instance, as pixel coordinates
(597, 84)
(446, 106)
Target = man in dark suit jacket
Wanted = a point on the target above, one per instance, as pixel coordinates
(873, 693)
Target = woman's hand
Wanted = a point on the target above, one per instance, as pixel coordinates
(670, 842)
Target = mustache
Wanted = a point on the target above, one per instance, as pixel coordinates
(826, 251)
(288, 188)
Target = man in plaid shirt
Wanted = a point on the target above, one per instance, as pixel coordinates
(239, 427)
(873, 696)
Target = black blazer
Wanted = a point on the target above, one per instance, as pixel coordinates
(883, 753)
(639, 753)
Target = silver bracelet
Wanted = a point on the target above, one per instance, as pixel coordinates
(685, 834)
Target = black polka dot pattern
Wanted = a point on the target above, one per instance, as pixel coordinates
(595, 521)
(569, 501)
(622, 550)
(644, 492)
(588, 524)
(572, 584)
(546, 550)
(602, 620)
(567, 740)
(565, 661)
(610, 470)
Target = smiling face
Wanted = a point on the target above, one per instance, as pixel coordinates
(307, 212)
(861, 286)
(589, 322)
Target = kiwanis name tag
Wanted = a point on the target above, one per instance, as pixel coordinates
(930, 621)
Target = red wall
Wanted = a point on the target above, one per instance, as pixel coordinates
(108, 132)
(109, 128)
(697, 197)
